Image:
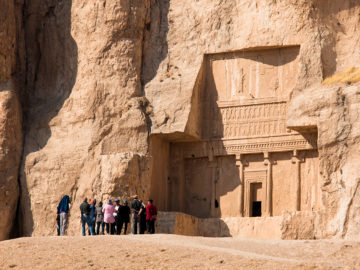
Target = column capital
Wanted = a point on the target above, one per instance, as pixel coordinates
(267, 160)
(240, 161)
(296, 157)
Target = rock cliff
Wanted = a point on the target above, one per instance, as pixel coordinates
(10, 120)
(86, 130)
(104, 85)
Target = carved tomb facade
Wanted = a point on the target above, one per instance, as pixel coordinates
(245, 162)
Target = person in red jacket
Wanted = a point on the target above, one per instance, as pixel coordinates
(151, 213)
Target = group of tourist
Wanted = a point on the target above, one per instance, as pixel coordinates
(112, 217)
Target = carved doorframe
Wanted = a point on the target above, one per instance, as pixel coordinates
(251, 177)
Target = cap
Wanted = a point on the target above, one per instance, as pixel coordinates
(117, 200)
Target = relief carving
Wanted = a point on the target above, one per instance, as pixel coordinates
(253, 119)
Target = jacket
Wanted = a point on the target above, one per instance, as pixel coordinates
(85, 208)
(108, 211)
(151, 212)
(99, 214)
(124, 213)
(92, 212)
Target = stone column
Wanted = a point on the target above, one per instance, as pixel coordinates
(183, 183)
(240, 165)
(213, 167)
(177, 202)
(296, 160)
(267, 161)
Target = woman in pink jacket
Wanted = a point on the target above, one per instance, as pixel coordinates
(109, 219)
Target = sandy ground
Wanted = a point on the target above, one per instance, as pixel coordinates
(175, 252)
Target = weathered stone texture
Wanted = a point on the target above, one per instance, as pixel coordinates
(86, 133)
(10, 120)
(335, 111)
(327, 35)
(115, 92)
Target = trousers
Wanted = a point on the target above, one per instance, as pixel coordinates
(86, 220)
(63, 223)
(150, 226)
(110, 228)
(121, 223)
(98, 224)
(135, 223)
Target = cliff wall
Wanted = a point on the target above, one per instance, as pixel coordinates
(98, 79)
(10, 119)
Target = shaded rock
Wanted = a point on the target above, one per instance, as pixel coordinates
(10, 121)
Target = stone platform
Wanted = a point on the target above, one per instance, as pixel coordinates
(247, 227)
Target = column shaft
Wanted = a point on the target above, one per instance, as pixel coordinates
(298, 186)
(269, 190)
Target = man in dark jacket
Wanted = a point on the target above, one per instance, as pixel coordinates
(117, 217)
(142, 215)
(85, 217)
(124, 216)
(135, 208)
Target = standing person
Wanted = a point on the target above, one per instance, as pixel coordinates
(116, 216)
(142, 215)
(99, 219)
(63, 210)
(92, 215)
(151, 213)
(135, 208)
(124, 216)
(85, 217)
(109, 219)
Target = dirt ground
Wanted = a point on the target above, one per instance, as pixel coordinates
(161, 251)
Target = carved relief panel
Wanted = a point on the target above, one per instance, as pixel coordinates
(255, 74)
(246, 92)
(261, 119)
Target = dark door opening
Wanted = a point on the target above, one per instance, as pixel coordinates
(256, 209)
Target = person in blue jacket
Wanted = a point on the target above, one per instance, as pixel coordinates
(63, 211)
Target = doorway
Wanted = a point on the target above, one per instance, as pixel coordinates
(256, 209)
(255, 199)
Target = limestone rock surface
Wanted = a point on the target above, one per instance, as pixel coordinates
(86, 130)
(10, 120)
(329, 43)
(335, 111)
(101, 80)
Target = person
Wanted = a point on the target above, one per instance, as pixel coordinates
(99, 219)
(92, 215)
(63, 210)
(135, 208)
(124, 216)
(85, 217)
(116, 216)
(151, 213)
(142, 219)
(109, 219)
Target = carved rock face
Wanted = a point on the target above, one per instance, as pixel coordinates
(86, 130)
(157, 97)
